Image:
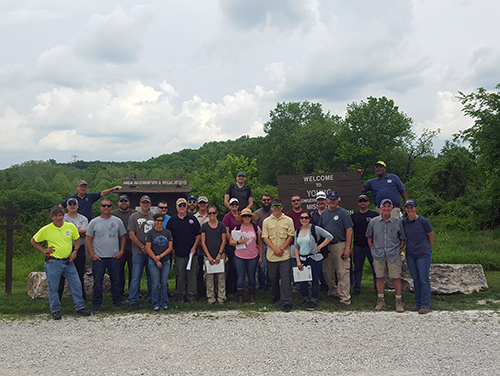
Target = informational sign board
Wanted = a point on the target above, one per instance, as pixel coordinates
(347, 184)
(155, 182)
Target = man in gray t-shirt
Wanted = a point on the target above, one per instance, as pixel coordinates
(105, 243)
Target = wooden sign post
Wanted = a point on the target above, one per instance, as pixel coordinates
(10, 213)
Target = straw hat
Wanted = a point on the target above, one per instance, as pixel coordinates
(246, 211)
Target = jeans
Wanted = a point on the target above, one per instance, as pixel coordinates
(98, 269)
(231, 271)
(293, 261)
(79, 262)
(264, 281)
(54, 269)
(280, 270)
(360, 253)
(244, 268)
(316, 267)
(159, 283)
(139, 263)
(186, 279)
(419, 270)
(125, 259)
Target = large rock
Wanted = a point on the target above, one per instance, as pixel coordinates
(448, 279)
(37, 285)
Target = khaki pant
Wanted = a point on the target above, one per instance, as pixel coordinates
(335, 264)
(221, 284)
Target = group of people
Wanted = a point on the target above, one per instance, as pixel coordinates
(222, 259)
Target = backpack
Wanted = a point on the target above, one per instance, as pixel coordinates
(324, 251)
(254, 229)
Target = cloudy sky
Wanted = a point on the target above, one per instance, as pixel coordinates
(130, 80)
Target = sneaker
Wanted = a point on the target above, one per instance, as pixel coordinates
(424, 311)
(287, 308)
(118, 304)
(312, 306)
(399, 306)
(56, 315)
(305, 302)
(356, 292)
(83, 312)
(134, 306)
(342, 305)
(380, 304)
(165, 308)
(415, 308)
(156, 309)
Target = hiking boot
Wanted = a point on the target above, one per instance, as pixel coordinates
(415, 308)
(83, 312)
(380, 304)
(240, 296)
(311, 306)
(399, 306)
(423, 311)
(287, 308)
(342, 305)
(134, 306)
(56, 315)
(251, 293)
(156, 309)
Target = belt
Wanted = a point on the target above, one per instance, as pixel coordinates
(60, 259)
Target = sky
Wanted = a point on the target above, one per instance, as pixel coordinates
(131, 80)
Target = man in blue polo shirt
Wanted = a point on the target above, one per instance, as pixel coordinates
(386, 186)
(86, 200)
(185, 230)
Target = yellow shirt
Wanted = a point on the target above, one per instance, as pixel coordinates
(278, 230)
(61, 238)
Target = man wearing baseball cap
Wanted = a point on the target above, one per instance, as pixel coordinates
(86, 200)
(240, 191)
(385, 186)
(337, 221)
(386, 238)
(139, 224)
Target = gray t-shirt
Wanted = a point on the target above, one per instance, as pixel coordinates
(213, 237)
(140, 224)
(336, 222)
(263, 214)
(125, 216)
(106, 234)
(81, 223)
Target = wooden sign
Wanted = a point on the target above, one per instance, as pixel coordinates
(347, 184)
(10, 213)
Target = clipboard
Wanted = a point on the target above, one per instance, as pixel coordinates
(302, 275)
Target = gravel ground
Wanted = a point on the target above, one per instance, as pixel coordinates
(243, 343)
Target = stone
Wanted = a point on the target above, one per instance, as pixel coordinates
(448, 279)
(37, 285)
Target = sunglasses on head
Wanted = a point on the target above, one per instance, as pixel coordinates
(106, 205)
(182, 205)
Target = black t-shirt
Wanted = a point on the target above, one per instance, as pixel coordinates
(242, 194)
(360, 223)
(159, 241)
(213, 237)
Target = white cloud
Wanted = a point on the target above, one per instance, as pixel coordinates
(16, 135)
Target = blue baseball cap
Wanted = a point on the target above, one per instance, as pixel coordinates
(386, 200)
(333, 195)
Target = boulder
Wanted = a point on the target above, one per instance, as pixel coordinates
(37, 285)
(448, 279)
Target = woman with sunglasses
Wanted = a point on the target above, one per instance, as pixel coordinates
(246, 259)
(230, 221)
(307, 252)
(159, 245)
(213, 242)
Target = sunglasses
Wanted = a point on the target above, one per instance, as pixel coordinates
(182, 205)
(363, 200)
(304, 218)
(277, 206)
(246, 216)
(162, 207)
(202, 203)
(234, 203)
(212, 213)
(266, 199)
(296, 200)
(158, 220)
(192, 202)
(106, 206)
(71, 203)
(123, 201)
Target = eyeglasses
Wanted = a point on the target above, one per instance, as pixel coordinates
(182, 205)
(212, 213)
(277, 206)
(246, 216)
(106, 206)
(162, 207)
(192, 202)
(297, 200)
(304, 218)
(72, 203)
(158, 220)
